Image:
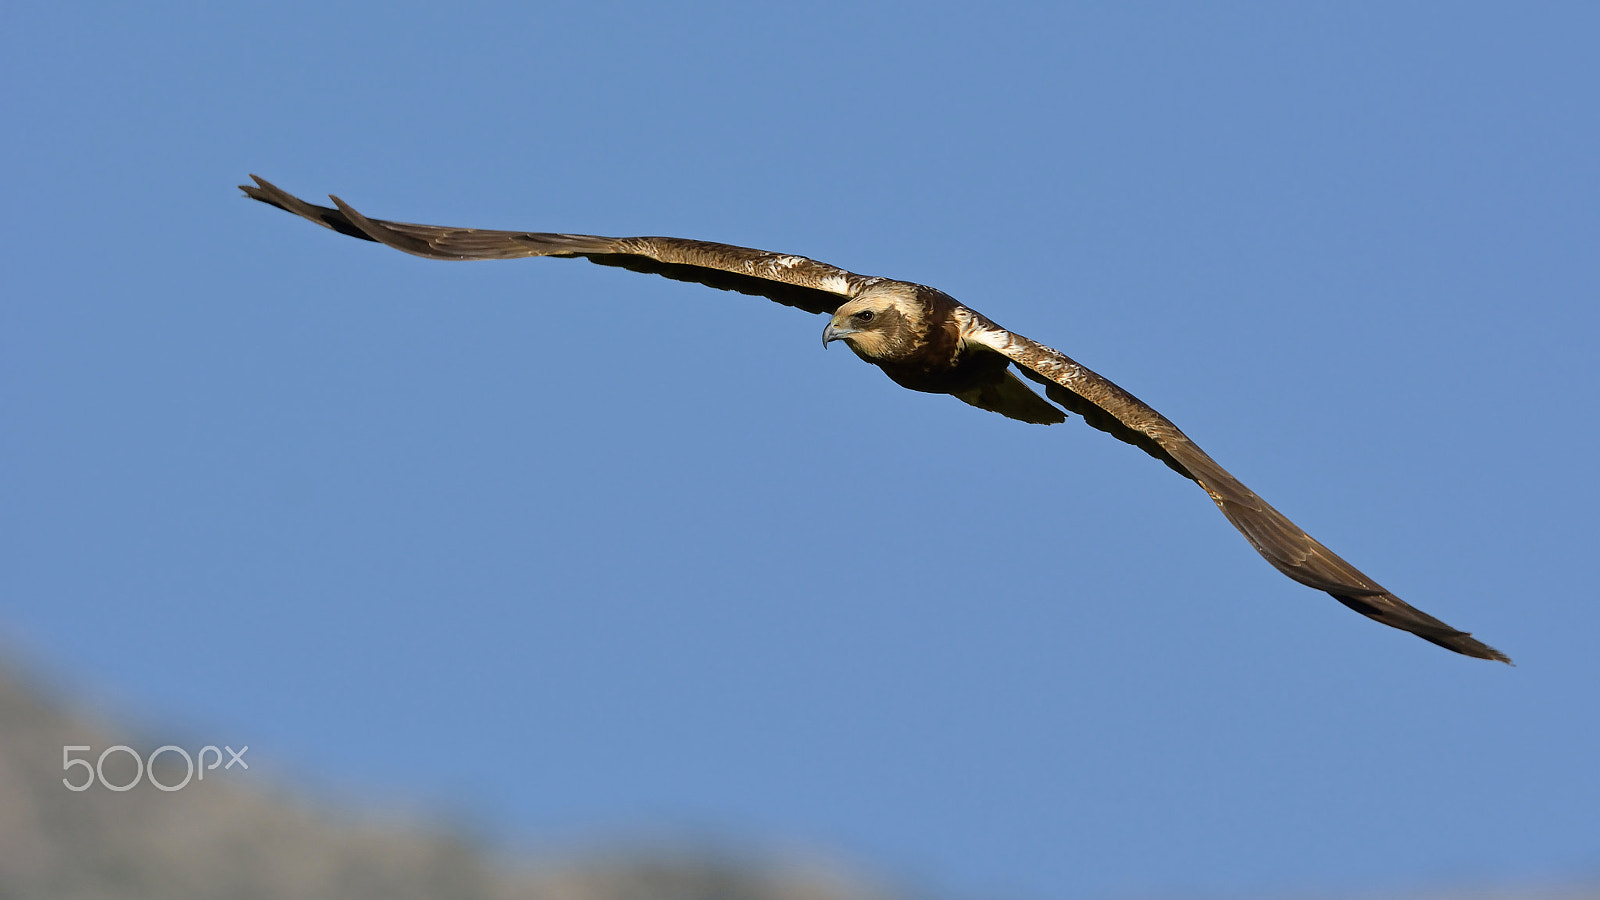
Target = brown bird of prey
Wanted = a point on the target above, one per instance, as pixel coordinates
(926, 341)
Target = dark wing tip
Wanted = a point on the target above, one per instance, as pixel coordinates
(272, 195)
(1464, 643)
(1396, 613)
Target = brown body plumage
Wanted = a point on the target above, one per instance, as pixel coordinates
(926, 341)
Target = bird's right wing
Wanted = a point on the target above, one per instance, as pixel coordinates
(796, 281)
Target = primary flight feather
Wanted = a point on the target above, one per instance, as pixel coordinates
(926, 341)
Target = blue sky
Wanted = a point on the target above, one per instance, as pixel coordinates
(574, 553)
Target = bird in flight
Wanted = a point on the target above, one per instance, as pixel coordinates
(926, 341)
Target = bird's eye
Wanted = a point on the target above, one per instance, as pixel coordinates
(863, 317)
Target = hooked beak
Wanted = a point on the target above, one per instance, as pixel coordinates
(835, 333)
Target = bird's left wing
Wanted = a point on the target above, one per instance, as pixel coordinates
(1296, 554)
(791, 280)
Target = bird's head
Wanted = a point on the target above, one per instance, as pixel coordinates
(880, 325)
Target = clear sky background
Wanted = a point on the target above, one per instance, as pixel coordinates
(576, 554)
